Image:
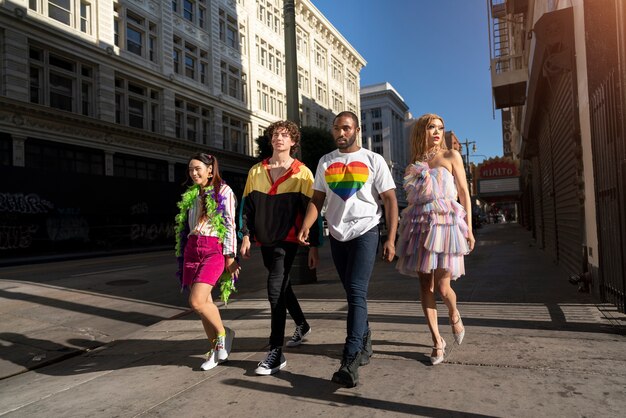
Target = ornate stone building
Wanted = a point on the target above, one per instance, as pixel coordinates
(102, 102)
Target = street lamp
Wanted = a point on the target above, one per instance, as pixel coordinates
(467, 153)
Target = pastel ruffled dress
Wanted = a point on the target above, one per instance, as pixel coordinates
(433, 232)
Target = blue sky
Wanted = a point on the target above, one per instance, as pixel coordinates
(435, 53)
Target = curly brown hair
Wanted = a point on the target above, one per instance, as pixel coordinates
(291, 127)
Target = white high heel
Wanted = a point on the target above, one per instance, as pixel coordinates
(458, 338)
(439, 359)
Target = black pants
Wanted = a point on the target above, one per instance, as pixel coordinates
(278, 260)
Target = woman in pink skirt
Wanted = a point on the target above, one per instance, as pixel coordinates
(205, 246)
(435, 230)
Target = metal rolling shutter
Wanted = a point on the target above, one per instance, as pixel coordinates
(566, 175)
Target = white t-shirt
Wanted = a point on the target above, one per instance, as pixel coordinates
(352, 182)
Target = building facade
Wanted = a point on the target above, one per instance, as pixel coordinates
(383, 117)
(102, 102)
(561, 85)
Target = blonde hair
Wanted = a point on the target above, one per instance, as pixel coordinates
(418, 135)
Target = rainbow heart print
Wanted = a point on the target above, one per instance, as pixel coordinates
(346, 179)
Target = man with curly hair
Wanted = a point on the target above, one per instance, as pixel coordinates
(275, 198)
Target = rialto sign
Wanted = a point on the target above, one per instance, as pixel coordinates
(494, 169)
(498, 177)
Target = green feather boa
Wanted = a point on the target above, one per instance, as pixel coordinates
(215, 214)
(214, 211)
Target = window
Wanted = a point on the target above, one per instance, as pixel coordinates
(233, 82)
(305, 115)
(337, 101)
(322, 121)
(242, 39)
(271, 101)
(377, 138)
(321, 93)
(193, 121)
(320, 56)
(6, 150)
(61, 82)
(351, 83)
(351, 107)
(303, 80)
(194, 11)
(190, 61)
(135, 33)
(270, 15)
(235, 134)
(228, 30)
(142, 168)
(377, 126)
(136, 105)
(73, 13)
(188, 10)
(375, 112)
(302, 42)
(337, 70)
(269, 57)
(64, 158)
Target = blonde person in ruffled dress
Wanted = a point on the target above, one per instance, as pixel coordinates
(435, 230)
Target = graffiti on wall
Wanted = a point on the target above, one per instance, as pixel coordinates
(144, 230)
(27, 204)
(16, 237)
(67, 224)
(15, 234)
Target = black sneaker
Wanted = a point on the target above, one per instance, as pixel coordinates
(348, 373)
(367, 351)
(298, 335)
(274, 361)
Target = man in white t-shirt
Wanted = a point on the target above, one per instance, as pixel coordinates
(353, 180)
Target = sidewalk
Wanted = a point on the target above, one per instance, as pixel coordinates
(534, 347)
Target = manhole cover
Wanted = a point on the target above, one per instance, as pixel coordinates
(127, 282)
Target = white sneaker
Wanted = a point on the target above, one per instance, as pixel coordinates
(224, 345)
(211, 361)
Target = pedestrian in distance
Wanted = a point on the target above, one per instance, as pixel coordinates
(206, 244)
(353, 180)
(275, 198)
(435, 230)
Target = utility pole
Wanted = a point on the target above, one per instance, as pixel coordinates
(291, 62)
(468, 174)
(300, 272)
(467, 153)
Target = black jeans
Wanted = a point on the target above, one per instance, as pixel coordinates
(278, 260)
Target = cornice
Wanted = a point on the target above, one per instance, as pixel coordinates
(28, 120)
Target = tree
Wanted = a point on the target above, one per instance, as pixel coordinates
(314, 143)
(263, 146)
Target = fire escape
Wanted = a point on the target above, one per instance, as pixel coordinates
(509, 69)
